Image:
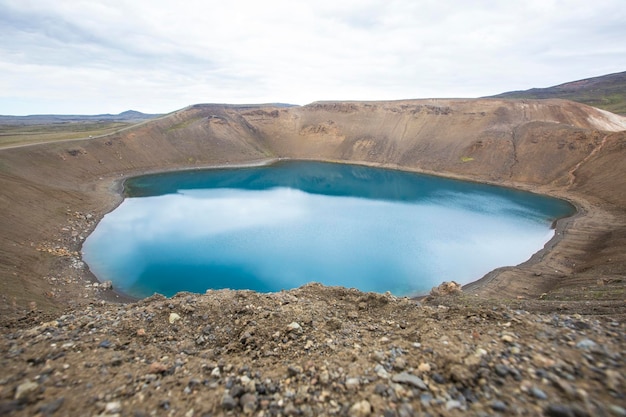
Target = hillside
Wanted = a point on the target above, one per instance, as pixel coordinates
(545, 336)
(607, 92)
(46, 119)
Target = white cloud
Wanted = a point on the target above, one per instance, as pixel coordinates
(157, 56)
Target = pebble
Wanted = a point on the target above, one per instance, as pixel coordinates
(105, 344)
(559, 410)
(586, 344)
(294, 370)
(537, 393)
(51, 407)
(453, 404)
(294, 327)
(25, 389)
(157, 368)
(249, 403)
(498, 405)
(381, 372)
(174, 317)
(228, 402)
(113, 407)
(360, 409)
(399, 364)
(409, 379)
(352, 383)
(617, 410)
(501, 370)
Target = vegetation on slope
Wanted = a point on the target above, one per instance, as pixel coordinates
(607, 92)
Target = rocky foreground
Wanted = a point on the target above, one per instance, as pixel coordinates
(313, 351)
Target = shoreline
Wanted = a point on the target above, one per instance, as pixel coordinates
(560, 225)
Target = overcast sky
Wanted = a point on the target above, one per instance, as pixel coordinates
(156, 56)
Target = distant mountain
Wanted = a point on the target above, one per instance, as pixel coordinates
(607, 92)
(36, 119)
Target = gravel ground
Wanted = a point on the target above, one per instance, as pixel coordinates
(312, 351)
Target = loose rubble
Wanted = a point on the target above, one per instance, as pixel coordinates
(312, 351)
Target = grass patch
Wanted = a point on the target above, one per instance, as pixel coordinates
(466, 159)
(11, 135)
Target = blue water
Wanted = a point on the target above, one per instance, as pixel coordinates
(281, 226)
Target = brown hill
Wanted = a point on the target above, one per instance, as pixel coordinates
(607, 92)
(53, 194)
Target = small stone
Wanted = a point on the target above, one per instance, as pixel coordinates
(228, 402)
(141, 332)
(537, 393)
(426, 399)
(613, 379)
(617, 410)
(379, 356)
(52, 407)
(105, 344)
(107, 285)
(507, 338)
(352, 383)
(408, 379)
(559, 410)
(501, 370)
(249, 403)
(215, 373)
(542, 361)
(381, 371)
(157, 368)
(586, 344)
(360, 409)
(324, 377)
(308, 345)
(173, 318)
(498, 405)
(453, 404)
(399, 364)
(564, 386)
(406, 410)
(460, 373)
(438, 378)
(113, 407)
(294, 370)
(294, 327)
(237, 391)
(25, 389)
(424, 367)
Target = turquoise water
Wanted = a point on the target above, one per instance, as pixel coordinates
(278, 227)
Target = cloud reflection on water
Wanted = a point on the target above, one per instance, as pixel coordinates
(283, 238)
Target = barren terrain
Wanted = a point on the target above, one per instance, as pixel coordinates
(545, 337)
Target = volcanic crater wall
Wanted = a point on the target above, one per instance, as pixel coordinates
(51, 195)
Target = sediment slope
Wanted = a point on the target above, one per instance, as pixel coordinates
(52, 194)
